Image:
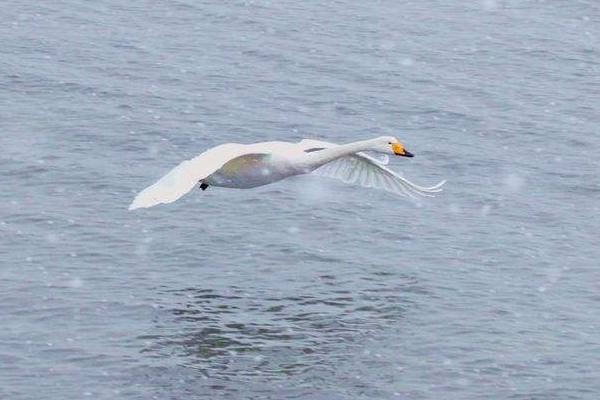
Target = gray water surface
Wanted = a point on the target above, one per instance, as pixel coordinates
(307, 288)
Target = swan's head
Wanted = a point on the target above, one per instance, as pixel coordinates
(390, 145)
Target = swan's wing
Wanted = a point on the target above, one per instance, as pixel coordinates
(185, 176)
(364, 170)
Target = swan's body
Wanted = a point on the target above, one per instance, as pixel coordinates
(243, 166)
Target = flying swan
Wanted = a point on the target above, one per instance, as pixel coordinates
(242, 166)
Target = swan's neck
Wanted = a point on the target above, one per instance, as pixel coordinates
(318, 158)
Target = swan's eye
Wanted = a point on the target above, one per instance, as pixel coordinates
(389, 142)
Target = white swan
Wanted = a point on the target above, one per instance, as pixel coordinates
(243, 166)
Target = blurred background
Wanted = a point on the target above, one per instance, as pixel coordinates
(307, 288)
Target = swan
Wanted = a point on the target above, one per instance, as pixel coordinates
(244, 166)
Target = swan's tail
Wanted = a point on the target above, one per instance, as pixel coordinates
(169, 188)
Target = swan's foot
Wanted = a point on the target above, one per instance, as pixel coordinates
(203, 186)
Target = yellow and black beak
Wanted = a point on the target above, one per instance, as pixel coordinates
(399, 150)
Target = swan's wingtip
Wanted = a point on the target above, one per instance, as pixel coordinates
(144, 200)
(134, 205)
(137, 203)
(437, 188)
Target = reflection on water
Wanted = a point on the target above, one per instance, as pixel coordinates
(250, 332)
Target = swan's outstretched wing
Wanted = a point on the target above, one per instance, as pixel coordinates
(367, 171)
(185, 176)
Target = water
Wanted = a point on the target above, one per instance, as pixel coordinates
(307, 288)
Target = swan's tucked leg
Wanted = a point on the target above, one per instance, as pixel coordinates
(203, 186)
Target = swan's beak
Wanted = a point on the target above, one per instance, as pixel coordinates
(401, 151)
